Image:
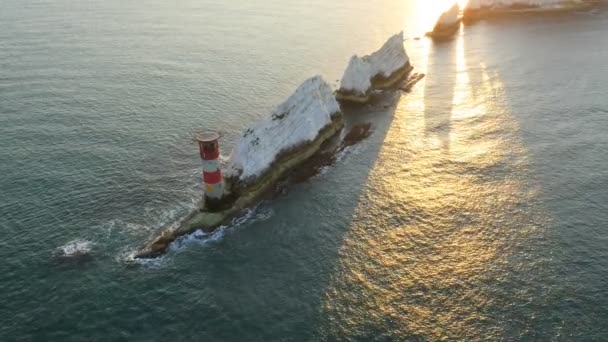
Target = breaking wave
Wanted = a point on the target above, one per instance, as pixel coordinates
(75, 249)
(200, 238)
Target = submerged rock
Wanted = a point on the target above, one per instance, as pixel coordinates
(378, 71)
(356, 134)
(328, 156)
(74, 251)
(411, 81)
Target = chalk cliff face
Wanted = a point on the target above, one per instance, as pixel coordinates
(363, 74)
(293, 124)
(357, 78)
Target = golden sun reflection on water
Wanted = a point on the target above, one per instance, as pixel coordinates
(427, 13)
(442, 215)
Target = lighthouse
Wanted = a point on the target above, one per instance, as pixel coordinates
(212, 176)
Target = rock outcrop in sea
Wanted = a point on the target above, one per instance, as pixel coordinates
(298, 138)
(292, 126)
(447, 24)
(378, 71)
(264, 154)
(480, 9)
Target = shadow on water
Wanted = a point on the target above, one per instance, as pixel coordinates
(448, 239)
(372, 283)
(267, 280)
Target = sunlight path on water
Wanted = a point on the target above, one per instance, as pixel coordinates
(427, 13)
(446, 214)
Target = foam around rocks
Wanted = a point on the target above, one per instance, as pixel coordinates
(75, 249)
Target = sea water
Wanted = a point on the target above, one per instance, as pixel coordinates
(475, 211)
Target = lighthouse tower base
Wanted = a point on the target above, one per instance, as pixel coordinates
(211, 203)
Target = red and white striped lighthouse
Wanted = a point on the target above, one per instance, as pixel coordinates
(212, 176)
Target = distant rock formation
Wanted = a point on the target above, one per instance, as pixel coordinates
(480, 9)
(447, 24)
(380, 70)
(472, 4)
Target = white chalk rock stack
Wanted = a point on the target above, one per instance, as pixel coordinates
(293, 124)
(379, 70)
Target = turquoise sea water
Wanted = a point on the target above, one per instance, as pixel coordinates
(476, 210)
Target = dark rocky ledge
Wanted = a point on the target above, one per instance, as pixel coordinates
(379, 82)
(246, 194)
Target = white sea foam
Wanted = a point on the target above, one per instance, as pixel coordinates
(340, 156)
(353, 149)
(198, 238)
(75, 248)
(127, 256)
(322, 171)
(263, 215)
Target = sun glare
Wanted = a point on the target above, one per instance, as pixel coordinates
(429, 11)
